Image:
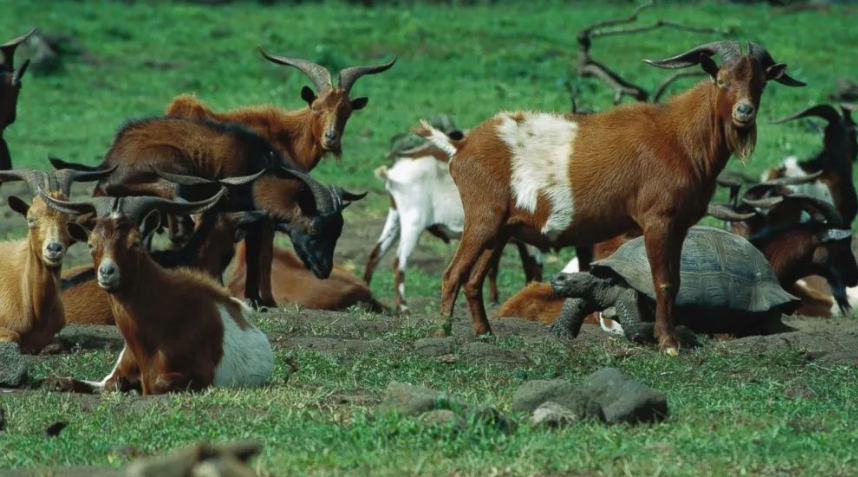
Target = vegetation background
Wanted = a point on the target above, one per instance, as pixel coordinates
(128, 59)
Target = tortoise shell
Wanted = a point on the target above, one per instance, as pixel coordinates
(718, 270)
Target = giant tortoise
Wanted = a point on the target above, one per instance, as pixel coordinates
(727, 286)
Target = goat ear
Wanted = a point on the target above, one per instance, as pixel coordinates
(150, 224)
(709, 66)
(359, 103)
(774, 72)
(834, 235)
(78, 232)
(308, 95)
(18, 205)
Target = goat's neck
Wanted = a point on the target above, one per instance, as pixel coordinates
(135, 306)
(41, 285)
(785, 251)
(305, 147)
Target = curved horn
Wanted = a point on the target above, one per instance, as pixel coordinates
(65, 177)
(318, 74)
(19, 73)
(725, 49)
(727, 214)
(8, 50)
(824, 111)
(788, 181)
(241, 180)
(347, 77)
(138, 206)
(102, 206)
(324, 198)
(34, 179)
(182, 179)
(815, 205)
(349, 196)
(765, 58)
(766, 203)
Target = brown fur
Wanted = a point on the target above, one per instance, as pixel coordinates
(645, 166)
(291, 282)
(815, 295)
(85, 302)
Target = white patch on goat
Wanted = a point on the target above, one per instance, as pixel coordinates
(541, 148)
(440, 140)
(247, 359)
(610, 326)
(99, 385)
(816, 188)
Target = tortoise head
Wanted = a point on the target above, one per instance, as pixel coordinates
(575, 285)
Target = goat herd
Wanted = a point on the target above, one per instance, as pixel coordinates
(210, 180)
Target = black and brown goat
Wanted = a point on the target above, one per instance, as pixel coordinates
(10, 87)
(561, 180)
(31, 311)
(305, 135)
(295, 203)
(182, 330)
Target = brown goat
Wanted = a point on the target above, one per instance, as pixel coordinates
(561, 180)
(291, 282)
(147, 150)
(10, 87)
(31, 311)
(305, 135)
(182, 330)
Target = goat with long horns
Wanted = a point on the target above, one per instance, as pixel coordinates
(10, 87)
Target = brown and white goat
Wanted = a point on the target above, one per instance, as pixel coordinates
(305, 135)
(31, 311)
(291, 282)
(10, 87)
(834, 162)
(182, 330)
(423, 197)
(297, 204)
(555, 180)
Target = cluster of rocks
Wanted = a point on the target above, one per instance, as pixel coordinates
(607, 396)
(13, 366)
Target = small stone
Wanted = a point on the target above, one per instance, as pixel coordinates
(91, 337)
(410, 400)
(444, 418)
(532, 394)
(551, 414)
(435, 347)
(13, 367)
(623, 399)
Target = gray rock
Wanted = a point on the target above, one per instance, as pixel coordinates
(91, 336)
(444, 418)
(13, 366)
(485, 353)
(624, 400)
(435, 347)
(532, 394)
(839, 358)
(410, 400)
(551, 414)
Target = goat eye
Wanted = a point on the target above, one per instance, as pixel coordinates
(90, 246)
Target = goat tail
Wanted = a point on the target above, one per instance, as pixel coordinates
(381, 173)
(437, 138)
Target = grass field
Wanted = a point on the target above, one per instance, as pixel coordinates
(731, 415)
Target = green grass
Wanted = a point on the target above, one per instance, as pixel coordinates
(729, 413)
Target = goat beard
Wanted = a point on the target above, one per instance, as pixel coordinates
(742, 142)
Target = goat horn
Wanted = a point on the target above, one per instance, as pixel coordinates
(347, 77)
(8, 50)
(825, 209)
(182, 179)
(824, 111)
(318, 74)
(324, 198)
(787, 181)
(725, 49)
(765, 58)
(349, 196)
(102, 206)
(65, 177)
(727, 214)
(137, 207)
(61, 164)
(19, 73)
(34, 179)
(766, 203)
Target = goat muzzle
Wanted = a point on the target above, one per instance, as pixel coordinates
(744, 114)
(108, 275)
(53, 253)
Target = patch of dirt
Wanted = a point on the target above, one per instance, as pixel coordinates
(816, 337)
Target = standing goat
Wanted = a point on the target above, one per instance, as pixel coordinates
(31, 311)
(182, 330)
(10, 87)
(834, 162)
(297, 204)
(423, 197)
(305, 135)
(559, 180)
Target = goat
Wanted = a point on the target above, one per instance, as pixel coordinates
(305, 135)
(31, 311)
(423, 197)
(10, 87)
(182, 330)
(834, 162)
(556, 180)
(148, 150)
(291, 282)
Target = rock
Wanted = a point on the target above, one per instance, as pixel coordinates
(410, 400)
(839, 358)
(228, 460)
(491, 416)
(622, 399)
(91, 337)
(485, 353)
(444, 418)
(551, 414)
(13, 367)
(435, 347)
(532, 394)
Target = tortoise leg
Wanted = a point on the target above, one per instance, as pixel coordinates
(568, 322)
(631, 319)
(772, 323)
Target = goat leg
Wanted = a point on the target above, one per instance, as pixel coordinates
(494, 266)
(474, 286)
(266, 257)
(252, 242)
(663, 240)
